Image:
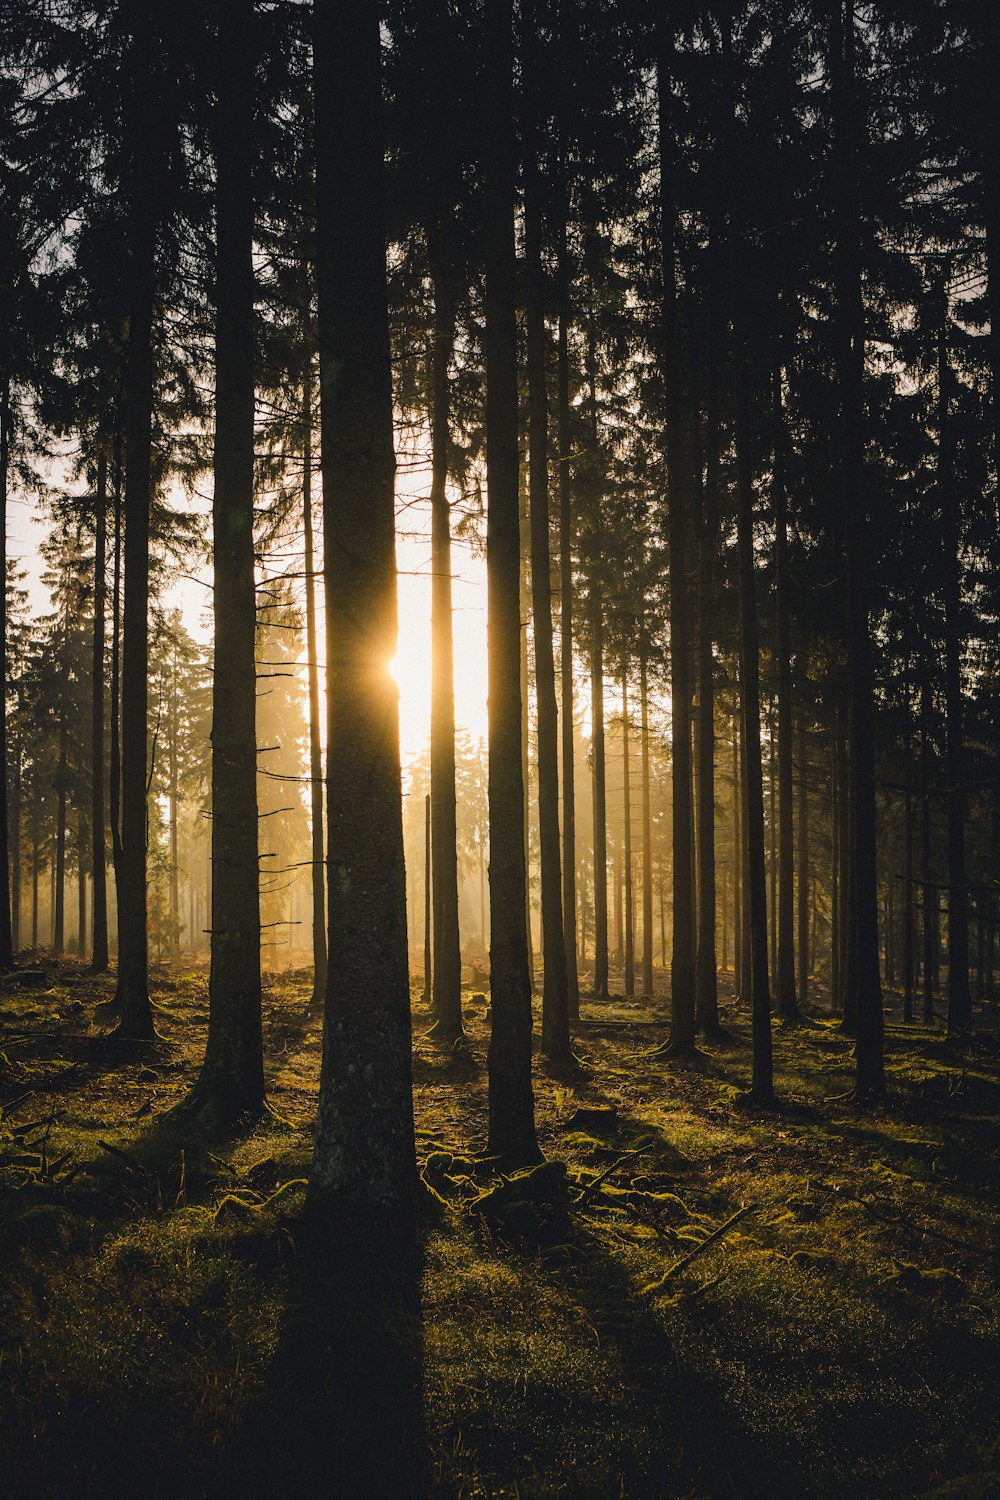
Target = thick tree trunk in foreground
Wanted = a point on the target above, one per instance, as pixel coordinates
(231, 1083)
(364, 1158)
(317, 875)
(511, 1101)
(99, 860)
(682, 963)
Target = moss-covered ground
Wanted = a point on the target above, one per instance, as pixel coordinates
(165, 1331)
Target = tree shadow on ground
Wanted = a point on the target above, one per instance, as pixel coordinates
(343, 1411)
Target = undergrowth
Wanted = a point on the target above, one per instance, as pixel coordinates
(688, 1299)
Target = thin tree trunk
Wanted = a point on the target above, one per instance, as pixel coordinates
(738, 934)
(15, 851)
(364, 1158)
(59, 895)
(762, 1086)
(908, 949)
(928, 922)
(850, 329)
(317, 862)
(231, 1083)
(446, 992)
(174, 799)
(566, 630)
(600, 799)
(555, 997)
(627, 848)
(803, 871)
(99, 959)
(115, 758)
(785, 1000)
(706, 976)
(428, 993)
(682, 966)
(959, 994)
(647, 822)
(147, 147)
(6, 935)
(81, 885)
(511, 1102)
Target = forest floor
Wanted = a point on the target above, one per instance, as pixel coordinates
(839, 1338)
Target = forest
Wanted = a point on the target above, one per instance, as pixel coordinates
(500, 749)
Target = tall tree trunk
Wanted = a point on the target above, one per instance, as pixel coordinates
(787, 1005)
(706, 977)
(447, 957)
(15, 851)
(762, 1086)
(803, 872)
(59, 897)
(850, 331)
(146, 146)
(231, 1083)
(566, 628)
(959, 995)
(555, 997)
(908, 935)
(929, 922)
(428, 993)
(6, 935)
(115, 756)
(364, 1158)
(600, 797)
(174, 797)
(317, 862)
(99, 861)
(647, 820)
(511, 1101)
(81, 885)
(627, 843)
(682, 964)
(739, 955)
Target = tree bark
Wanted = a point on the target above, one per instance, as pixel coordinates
(147, 150)
(511, 1101)
(447, 957)
(364, 1158)
(787, 1004)
(706, 976)
(627, 842)
(99, 861)
(647, 821)
(600, 798)
(555, 997)
(850, 333)
(231, 1083)
(6, 934)
(803, 871)
(959, 994)
(682, 963)
(566, 629)
(318, 864)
